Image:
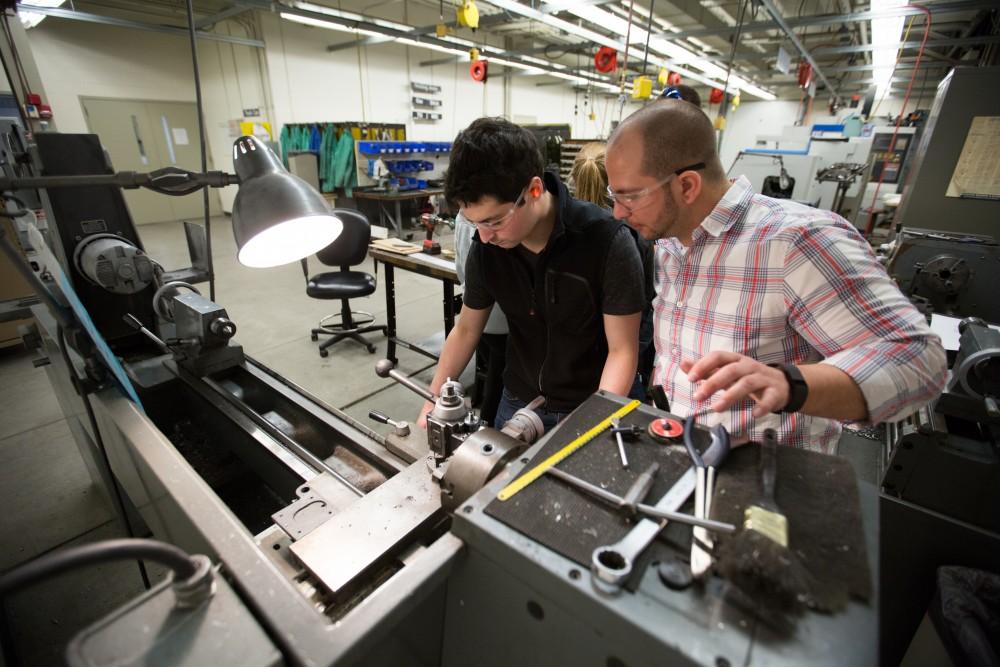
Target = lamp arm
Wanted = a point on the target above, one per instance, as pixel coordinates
(168, 181)
(178, 182)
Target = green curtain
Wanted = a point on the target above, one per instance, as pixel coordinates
(336, 156)
(345, 173)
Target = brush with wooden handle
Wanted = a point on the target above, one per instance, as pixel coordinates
(765, 517)
(758, 559)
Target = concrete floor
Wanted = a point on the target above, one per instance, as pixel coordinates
(48, 497)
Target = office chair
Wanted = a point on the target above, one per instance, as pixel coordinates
(348, 250)
(772, 187)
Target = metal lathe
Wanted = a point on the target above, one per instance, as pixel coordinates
(333, 544)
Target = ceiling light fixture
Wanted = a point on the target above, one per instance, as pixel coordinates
(679, 54)
(432, 47)
(342, 21)
(885, 36)
(351, 16)
(320, 23)
(31, 19)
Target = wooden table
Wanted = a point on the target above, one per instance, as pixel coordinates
(384, 196)
(433, 266)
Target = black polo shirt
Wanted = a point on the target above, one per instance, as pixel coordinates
(555, 300)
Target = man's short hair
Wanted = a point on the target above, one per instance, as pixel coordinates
(674, 134)
(491, 157)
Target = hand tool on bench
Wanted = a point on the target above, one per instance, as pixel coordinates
(701, 541)
(612, 564)
(615, 426)
(507, 492)
(630, 502)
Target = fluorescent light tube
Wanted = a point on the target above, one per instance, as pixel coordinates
(352, 16)
(885, 35)
(320, 23)
(31, 19)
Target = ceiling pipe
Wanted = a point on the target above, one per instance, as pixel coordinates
(780, 20)
(940, 8)
(87, 17)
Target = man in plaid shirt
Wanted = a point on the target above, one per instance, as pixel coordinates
(768, 314)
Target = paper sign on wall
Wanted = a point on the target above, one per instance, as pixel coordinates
(259, 129)
(977, 173)
(180, 136)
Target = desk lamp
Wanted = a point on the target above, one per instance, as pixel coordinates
(277, 217)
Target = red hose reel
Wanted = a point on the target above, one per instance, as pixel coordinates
(478, 70)
(606, 60)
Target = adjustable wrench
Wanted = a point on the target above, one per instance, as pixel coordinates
(611, 565)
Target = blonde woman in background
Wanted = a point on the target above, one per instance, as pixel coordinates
(588, 176)
(589, 179)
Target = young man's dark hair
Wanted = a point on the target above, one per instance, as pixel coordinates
(492, 157)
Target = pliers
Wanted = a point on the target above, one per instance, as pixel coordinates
(704, 489)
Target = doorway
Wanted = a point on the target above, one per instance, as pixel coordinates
(143, 135)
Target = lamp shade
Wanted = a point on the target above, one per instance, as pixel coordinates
(277, 217)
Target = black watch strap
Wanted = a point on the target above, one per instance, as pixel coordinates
(798, 390)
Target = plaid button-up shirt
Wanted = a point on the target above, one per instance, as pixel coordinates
(784, 283)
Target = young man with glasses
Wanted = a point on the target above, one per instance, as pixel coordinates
(565, 273)
(768, 314)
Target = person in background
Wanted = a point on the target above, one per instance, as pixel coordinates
(681, 92)
(588, 176)
(566, 274)
(492, 348)
(768, 314)
(590, 183)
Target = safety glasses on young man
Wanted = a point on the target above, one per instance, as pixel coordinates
(496, 223)
(627, 200)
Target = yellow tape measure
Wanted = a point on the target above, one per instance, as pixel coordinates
(539, 470)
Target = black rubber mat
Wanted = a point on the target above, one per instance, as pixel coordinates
(819, 496)
(571, 522)
(818, 493)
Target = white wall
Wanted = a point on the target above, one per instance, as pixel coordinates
(372, 84)
(77, 59)
(90, 60)
(294, 79)
(368, 84)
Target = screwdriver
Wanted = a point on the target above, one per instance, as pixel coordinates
(617, 430)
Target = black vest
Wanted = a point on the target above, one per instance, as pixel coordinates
(556, 347)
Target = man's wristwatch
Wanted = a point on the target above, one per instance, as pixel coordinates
(798, 390)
